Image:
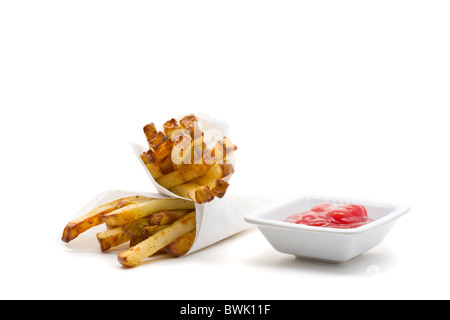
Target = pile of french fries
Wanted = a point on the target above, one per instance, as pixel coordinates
(150, 225)
(180, 161)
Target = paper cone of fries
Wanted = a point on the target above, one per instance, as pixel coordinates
(190, 165)
(223, 216)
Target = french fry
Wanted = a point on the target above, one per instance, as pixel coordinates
(135, 240)
(217, 171)
(146, 232)
(135, 211)
(188, 121)
(136, 254)
(151, 165)
(161, 148)
(189, 159)
(166, 217)
(182, 245)
(219, 187)
(213, 179)
(222, 150)
(182, 175)
(151, 230)
(194, 191)
(94, 218)
(170, 127)
(136, 228)
(227, 170)
(112, 238)
(190, 127)
(150, 132)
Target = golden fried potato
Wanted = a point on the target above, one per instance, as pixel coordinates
(151, 164)
(135, 211)
(167, 216)
(112, 238)
(180, 160)
(182, 175)
(136, 254)
(182, 245)
(194, 191)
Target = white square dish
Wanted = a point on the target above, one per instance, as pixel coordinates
(323, 243)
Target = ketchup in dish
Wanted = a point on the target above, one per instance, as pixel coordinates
(332, 216)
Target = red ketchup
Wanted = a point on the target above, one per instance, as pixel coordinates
(332, 216)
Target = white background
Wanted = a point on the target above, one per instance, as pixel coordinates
(343, 98)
